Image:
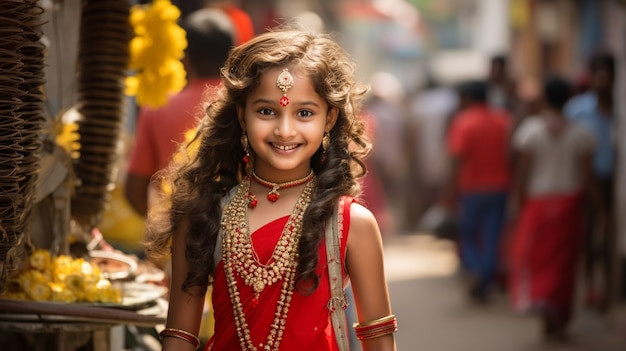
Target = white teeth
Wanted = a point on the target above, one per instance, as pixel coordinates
(285, 147)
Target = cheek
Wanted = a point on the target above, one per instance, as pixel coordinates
(258, 132)
(316, 134)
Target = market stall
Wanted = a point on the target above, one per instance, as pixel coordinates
(59, 61)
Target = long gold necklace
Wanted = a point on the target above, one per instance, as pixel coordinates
(239, 257)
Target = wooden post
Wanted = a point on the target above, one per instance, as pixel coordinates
(618, 32)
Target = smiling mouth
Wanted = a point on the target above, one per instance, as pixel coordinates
(285, 147)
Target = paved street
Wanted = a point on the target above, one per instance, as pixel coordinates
(434, 314)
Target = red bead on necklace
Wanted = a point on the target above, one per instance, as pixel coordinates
(273, 195)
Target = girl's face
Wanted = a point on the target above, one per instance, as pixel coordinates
(284, 138)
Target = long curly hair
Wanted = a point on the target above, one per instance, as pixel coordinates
(213, 161)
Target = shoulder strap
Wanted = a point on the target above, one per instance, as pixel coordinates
(337, 303)
(217, 254)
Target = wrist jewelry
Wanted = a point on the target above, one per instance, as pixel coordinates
(376, 328)
(180, 334)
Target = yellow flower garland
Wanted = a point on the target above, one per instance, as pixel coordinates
(155, 53)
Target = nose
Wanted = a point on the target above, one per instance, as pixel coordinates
(285, 127)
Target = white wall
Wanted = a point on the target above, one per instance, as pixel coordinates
(491, 26)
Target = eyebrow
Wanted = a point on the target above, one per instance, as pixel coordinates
(270, 101)
(262, 101)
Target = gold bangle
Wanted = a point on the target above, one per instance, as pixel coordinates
(180, 334)
(376, 328)
(375, 321)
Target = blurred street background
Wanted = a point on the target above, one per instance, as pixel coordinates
(414, 54)
(434, 314)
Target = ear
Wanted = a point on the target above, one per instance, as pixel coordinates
(331, 118)
(240, 117)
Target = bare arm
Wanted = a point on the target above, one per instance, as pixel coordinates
(522, 170)
(136, 191)
(366, 268)
(593, 191)
(450, 191)
(185, 309)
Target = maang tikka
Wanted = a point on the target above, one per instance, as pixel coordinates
(284, 82)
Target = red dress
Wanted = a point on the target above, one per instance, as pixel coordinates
(544, 250)
(308, 324)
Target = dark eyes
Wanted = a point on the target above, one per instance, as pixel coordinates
(305, 113)
(270, 112)
(266, 112)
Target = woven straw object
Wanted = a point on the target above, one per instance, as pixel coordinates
(21, 121)
(103, 57)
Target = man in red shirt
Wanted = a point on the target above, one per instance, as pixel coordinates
(210, 36)
(480, 175)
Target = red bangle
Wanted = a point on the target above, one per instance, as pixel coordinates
(180, 334)
(376, 328)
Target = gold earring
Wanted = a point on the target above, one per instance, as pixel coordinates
(325, 144)
(246, 147)
(325, 141)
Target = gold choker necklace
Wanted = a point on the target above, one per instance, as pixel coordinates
(240, 259)
(273, 195)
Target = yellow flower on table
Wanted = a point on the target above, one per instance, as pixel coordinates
(35, 285)
(40, 260)
(60, 293)
(61, 267)
(103, 292)
(61, 279)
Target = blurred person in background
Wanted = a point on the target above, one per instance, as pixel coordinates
(159, 131)
(528, 96)
(594, 110)
(501, 89)
(480, 175)
(430, 111)
(387, 119)
(241, 20)
(243, 25)
(553, 170)
(373, 190)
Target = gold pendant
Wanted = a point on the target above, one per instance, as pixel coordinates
(258, 286)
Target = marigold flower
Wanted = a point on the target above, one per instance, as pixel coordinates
(61, 267)
(61, 279)
(103, 292)
(60, 293)
(39, 291)
(155, 53)
(68, 138)
(40, 260)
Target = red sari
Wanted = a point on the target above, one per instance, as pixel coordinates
(308, 325)
(545, 246)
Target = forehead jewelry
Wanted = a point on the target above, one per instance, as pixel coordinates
(284, 83)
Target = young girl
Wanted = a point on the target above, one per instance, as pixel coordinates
(278, 152)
